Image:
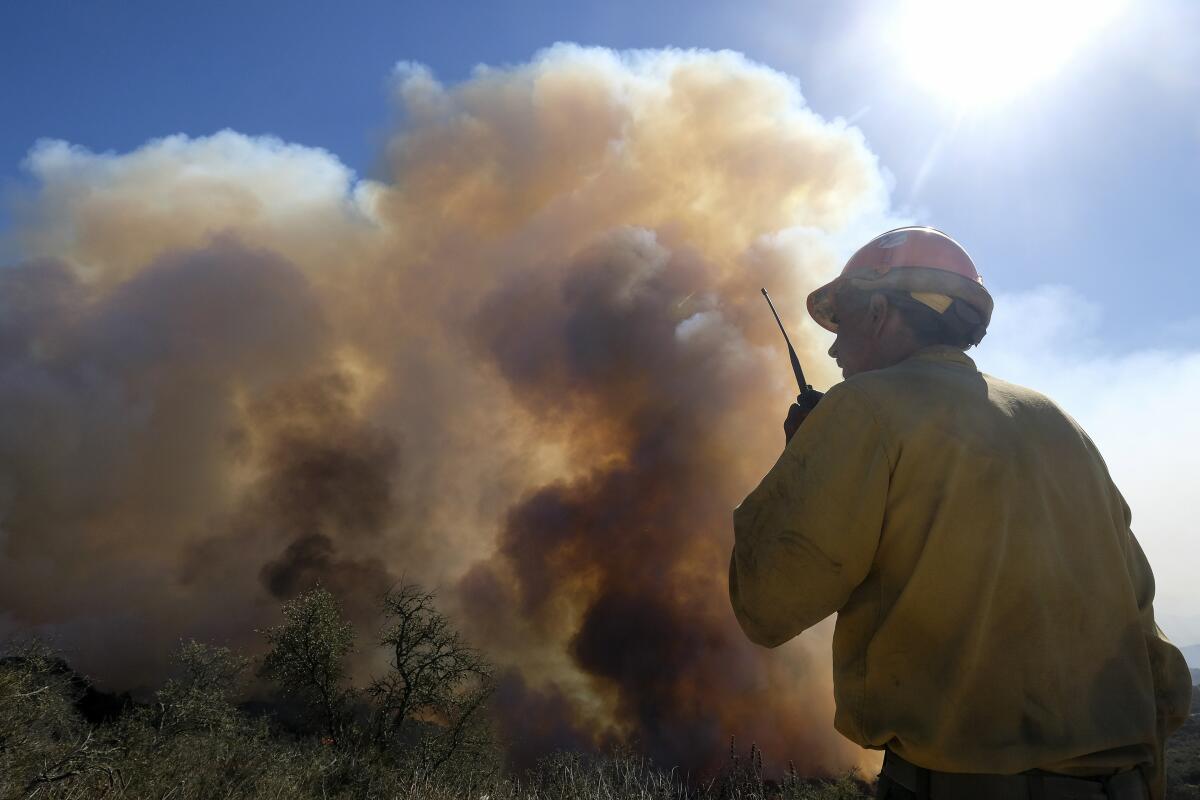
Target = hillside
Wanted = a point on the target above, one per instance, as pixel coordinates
(1192, 654)
(1183, 757)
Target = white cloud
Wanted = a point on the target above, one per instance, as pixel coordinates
(1138, 406)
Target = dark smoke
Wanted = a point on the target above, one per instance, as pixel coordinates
(528, 367)
(632, 545)
(537, 721)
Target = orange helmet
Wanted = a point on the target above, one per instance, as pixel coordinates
(923, 262)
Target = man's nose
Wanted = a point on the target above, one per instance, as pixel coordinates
(833, 351)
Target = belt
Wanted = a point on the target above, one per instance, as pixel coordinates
(1034, 785)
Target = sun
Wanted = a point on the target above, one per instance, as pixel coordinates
(977, 53)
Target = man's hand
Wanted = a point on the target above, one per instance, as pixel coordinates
(806, 401)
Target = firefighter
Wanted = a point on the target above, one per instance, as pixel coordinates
(995, 632)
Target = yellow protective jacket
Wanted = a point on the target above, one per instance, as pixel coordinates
(994, 609)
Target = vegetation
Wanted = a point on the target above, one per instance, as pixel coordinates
(429, 703)
(307, 660)
(1183, 757)
(417, 732)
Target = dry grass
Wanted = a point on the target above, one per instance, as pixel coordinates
(194, 744)
(204, 748)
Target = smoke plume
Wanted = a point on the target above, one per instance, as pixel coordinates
(528, 365)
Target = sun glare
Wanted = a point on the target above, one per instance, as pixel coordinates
(976, 53)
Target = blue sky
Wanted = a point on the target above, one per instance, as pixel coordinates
(1078, 196)
(1090, 179)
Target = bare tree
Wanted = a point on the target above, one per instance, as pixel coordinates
(436, 685)
(308, 657)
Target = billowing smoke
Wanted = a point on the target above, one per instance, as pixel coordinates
(528, 367)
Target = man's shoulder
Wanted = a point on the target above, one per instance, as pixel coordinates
(922, 385)
(1017, 392)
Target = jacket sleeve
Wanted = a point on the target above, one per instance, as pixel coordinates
(806, 537)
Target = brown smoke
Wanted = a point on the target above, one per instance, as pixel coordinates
(528, 367)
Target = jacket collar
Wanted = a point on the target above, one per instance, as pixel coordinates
(943, 354)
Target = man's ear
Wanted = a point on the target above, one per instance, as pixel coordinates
(877, 311)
